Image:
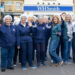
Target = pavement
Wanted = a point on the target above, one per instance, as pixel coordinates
(43, 70)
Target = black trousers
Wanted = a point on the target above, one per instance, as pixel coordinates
(73, 47)
(17, 52)
(40, 52)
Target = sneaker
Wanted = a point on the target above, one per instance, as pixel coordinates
(33, 67)
(68, 63)
(14, 65)
(11, 68)
(61, 63)
(51, 61)
(3, 70)
(70, 57)
(43, 63)
(38, 64)
(24, 68)
(19, 63)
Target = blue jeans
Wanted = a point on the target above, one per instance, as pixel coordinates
(52, 50)
(65, 50)
(27, 50)
(69, 48)
(7, 55)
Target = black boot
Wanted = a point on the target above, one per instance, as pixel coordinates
(3, 70)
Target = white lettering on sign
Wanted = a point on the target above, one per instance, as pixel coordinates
(45, 8)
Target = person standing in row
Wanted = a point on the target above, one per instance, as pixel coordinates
(40, 39)
(47, 22)
(68, 21)
(24, 41)
(7, 44)
(55, 38)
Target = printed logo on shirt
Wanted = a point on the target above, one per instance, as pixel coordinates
(13, 29)
(43, 28)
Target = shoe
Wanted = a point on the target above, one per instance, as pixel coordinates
(11, 68)
(46, 58)
(33, 67)
(19, 63)
(38, 64)
(51, 61)
(3, 70)
(68, 63)
(61, 63)
(70, 57)
(14, 65)
(24, 68)
(54, 64)
(43, 63)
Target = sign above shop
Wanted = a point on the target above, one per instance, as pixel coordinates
(48, 8)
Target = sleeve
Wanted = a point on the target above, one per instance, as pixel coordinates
(48, 27)
(34, 28)
(18, 36)
(59, 28)
(70, 37)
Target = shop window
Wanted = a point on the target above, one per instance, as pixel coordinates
(18, 5)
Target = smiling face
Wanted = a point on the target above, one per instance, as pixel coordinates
(40, 21)
(23, 20)
(8, 21)
(68, 18)
(55, 20)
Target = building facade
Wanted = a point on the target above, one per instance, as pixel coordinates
(48, 7)
(74, 6)
(12, 7)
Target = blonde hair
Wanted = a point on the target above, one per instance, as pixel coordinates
(58, 21)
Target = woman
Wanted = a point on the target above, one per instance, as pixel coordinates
(40, 38)
(24, 41)
(69, 34)
(55, 38)
(7, 43)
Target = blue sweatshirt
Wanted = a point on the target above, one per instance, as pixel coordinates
(24, 34)
(40, 31)
(7, 36)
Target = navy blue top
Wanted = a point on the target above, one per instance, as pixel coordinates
(49, 31)
(40, 31)
(7, 36)
(23, 34)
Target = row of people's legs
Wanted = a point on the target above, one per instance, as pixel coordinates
(41, 51)
(65, 50)
(27, 53)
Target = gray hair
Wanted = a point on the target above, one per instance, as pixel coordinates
(5, 17)
(23, 15)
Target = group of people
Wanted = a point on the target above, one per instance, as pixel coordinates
(33, 36)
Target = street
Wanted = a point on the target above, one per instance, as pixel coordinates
(43, 70)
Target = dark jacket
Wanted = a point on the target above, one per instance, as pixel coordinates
(7, 36)
(24, 34)
(40, 31)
